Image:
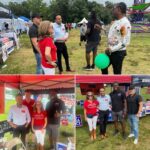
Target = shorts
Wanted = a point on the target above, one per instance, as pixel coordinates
(48, 71)
(118, 116)
(40, 136)
(53, 130)
(91, 46)
(82, 38)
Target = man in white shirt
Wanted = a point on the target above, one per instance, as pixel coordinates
(19, 118)
(104, 106)
(118, 38)
(60, 37)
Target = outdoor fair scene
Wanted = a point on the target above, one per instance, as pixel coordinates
(16, 39)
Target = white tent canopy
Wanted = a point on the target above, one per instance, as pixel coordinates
(83, 21)
(4, 10)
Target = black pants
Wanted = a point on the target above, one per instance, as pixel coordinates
(20, 131)
(103, 116)
(62, 50)
(116, 60)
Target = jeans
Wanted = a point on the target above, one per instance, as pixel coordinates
(134, 125)
(38, 65)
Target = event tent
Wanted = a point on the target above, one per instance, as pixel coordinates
(5, 13)
(40, 83)
(94, 83)
(83, 21)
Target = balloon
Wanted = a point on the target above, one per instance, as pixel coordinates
(102, 61)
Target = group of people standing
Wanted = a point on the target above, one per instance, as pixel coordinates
(28, 117)
(122, 106)
(118, 38)
(48, 43)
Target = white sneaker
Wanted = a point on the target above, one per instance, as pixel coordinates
(131, 135)
(136, 141)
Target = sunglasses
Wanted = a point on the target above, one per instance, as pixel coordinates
(90, 95)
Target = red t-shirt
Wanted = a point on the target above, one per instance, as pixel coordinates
(29, 105)
(47, 42)
(39, 119)
(91, 107)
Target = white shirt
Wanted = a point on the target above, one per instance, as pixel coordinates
(83, 29)
(19, 115)
(59, 31)
(104, 102)
(119, 35)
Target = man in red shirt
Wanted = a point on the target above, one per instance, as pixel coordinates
(30, 104)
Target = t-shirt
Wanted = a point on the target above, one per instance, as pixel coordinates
(118, 99)
(119, 35)
(29, 105)
(94, 35)
(55, 105)
(33, 33)
(91, 107)
(133, 103)
(47, 42)
(39, 119)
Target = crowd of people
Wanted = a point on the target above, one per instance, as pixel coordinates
(28, 117)
(122, 107)
(49, 41)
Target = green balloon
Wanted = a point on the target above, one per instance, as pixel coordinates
(102, 61)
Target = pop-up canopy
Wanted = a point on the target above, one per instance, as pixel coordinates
(40, 83)
(94, 83)
(83, 21)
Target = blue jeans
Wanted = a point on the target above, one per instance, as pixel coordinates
(38, 63)
(134, 125)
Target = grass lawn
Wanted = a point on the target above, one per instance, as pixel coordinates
(136, 62)
(112, 143)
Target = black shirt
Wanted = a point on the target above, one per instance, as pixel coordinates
(133, 104)
(33, 33)
(94, 35)
(55, 105)
(118, 99)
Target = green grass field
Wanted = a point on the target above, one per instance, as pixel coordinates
(112, 143)
(136, 62)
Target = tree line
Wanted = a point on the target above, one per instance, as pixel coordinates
(70, 10)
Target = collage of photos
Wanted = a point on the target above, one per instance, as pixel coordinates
(74, 74)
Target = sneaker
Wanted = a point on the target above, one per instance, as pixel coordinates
(115, 132)
(93, 67)
(88, 68)
(131, 135)
(136, 141)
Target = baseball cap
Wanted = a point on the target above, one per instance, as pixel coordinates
(131, 87)
(36, 15)
(115, 84)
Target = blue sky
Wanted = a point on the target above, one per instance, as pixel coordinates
(128, 2)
